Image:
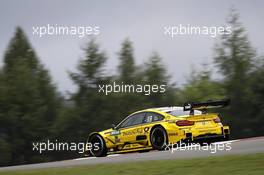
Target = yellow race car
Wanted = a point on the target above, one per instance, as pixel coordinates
(156, 128)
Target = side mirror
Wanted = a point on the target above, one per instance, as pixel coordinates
(113, 126)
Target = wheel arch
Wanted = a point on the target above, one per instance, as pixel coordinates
(157, 125)
(94, 133)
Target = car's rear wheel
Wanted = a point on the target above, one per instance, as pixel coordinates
(98, 148)
(158, 138)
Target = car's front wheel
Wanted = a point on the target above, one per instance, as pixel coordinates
(158, 138)
(98, 147)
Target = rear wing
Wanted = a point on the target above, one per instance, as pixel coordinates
(203, 106)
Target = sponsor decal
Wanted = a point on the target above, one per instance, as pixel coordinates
(137, 131)
(173, 134)
(146, 129)
(115, 132)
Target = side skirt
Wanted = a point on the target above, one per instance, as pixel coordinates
(130, 150)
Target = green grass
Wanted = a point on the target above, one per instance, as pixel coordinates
(236, 165)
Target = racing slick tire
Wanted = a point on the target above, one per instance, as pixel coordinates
(98, 146)
(158, 138)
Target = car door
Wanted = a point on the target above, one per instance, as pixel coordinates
(131, 128)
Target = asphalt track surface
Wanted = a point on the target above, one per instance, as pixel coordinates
(241, 146)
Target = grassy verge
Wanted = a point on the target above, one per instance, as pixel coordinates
(236, 165)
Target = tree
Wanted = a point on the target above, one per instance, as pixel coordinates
(234, 58)
(88, 101)
(201, 87)
(155, 74)
(255, 102)
(30, 100)
(126, 66)
(91, 67)
(5, 150)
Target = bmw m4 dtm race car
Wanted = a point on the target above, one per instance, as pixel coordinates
(154, 128)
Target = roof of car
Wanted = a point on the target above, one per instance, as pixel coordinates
(168, 109)
(174, 110)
